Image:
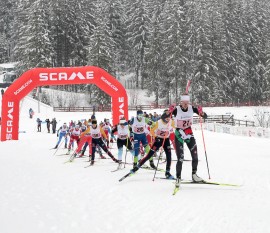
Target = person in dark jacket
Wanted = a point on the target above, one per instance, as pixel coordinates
(183, 117)
(48, 122)
(54, 123)
(39, 124)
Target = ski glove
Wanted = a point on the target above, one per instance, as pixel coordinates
(200, 110)
(171, 108)
(183, 135)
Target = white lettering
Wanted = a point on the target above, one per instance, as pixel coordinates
(109, 83)
(10, 104)
(43, 76)
(9, 113)
(52, 78)
(9, 123)
(23, 87)
(89, 74)
(121, 106)
(64, 76)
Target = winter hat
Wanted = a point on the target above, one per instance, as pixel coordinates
(139, 112)
(94, 121)
(123, 121)
(164, 116)
(185, 98)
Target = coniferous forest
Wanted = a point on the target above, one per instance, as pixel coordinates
(223, 46)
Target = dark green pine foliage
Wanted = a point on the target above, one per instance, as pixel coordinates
(257, 42)
(175, 39)
(155, 67)
(116, 19)
(204, 62)
(232, 46)
(102, 48)
(79, 33)
(34, 46)
(7, 8)
(70, 33)
(137, 34)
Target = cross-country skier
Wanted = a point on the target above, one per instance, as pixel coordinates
(63, 133)
(123, 139)
(139, 124)
(85, 139)
(106, 126)
(96, 133)
(183, 114)
(161, 132)
(74, 136)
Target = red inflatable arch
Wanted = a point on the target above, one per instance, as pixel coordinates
(58, 76)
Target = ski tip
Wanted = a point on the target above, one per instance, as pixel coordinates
(175, 191)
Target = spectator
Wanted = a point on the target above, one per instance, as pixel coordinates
(93, 116)
(71, 124)
(48, 124)
(31, 113)
(2, 92)
(39, 124)
(155, 117)
(54, 123)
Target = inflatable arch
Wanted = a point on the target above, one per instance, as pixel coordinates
(59, 76)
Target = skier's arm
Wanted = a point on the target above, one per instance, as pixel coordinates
(103, 133)
(131, 121)
(152, 130)
(114, 129)
(198, 111)
(174, 112)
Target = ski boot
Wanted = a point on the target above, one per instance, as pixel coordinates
(102, 156)
(135, 168)
(196, 178)
(168, 175)
(152, 165)
(120, 164)
(178, 182)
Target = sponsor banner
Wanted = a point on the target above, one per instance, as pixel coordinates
(59, 76)
(64, 76)
(23, 86)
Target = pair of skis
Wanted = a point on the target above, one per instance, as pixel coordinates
(177, 187)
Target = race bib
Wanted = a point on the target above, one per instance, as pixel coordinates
(139, 130)
(123, 136)
(96, 135)
(183, 124)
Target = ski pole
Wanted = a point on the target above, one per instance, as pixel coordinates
(158, 160)
(162, 147)
(204, 146)
(125, 158)
(157, 164)
(58, 147)
(126, 153)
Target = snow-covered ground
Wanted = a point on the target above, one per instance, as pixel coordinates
(40, 193)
